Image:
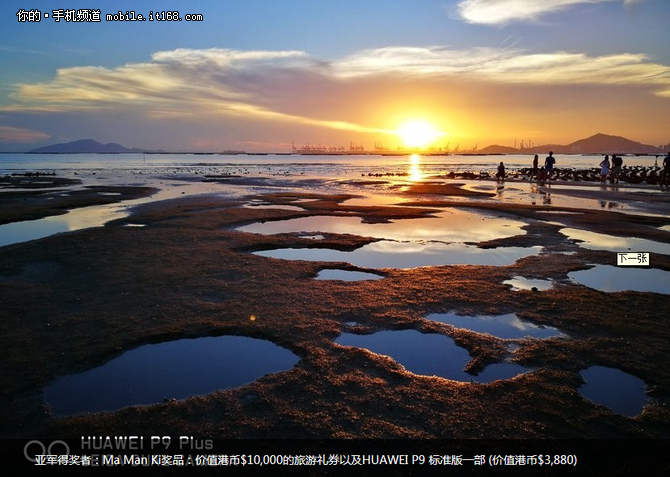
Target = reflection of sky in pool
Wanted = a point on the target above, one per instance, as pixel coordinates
(449, 226)
(428, 354)
(388, 254)
(613, 279)
(502, 326)
(497, 371)
(272, 206)
(175, 369)
(621, 392)
(596, 241)
(346, 275)
(76, 219)
(313, 237)
(97, 215)
(521, 283)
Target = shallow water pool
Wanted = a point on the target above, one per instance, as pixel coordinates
(95, 216)
(621, 392)
(272, 206)
(614, 279)
(596, 241)
(520, 283)
(502, 326)
(346, 275)
(390, 254)
(429, 354)
(446, 226)
(176, 369)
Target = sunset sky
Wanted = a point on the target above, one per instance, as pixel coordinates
(258, 75)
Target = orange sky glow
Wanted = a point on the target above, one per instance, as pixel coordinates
(477, 73)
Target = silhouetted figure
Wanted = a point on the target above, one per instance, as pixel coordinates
(617, 162)
(500, 175)
(542, 175)
(549, 164)
(665, 173)
(533, 172)
(604, 168)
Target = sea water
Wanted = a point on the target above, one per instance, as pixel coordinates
(334, 165)
(171, 370)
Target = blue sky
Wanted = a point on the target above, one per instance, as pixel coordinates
(259, 74)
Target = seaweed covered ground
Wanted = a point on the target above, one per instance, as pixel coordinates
(71, 302)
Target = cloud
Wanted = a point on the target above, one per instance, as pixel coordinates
(225, 57)
(415, 61)
(176, 83)
(248, 95)
(496, 12)
(171, 79)
(510, 66)
(20, 135)
(14, 49)
(186, 82)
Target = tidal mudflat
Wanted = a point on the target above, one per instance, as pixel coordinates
(188, 269)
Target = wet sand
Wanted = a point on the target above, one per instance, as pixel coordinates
(73, 301)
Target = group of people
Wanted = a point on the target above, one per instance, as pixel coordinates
(608, 170)
(612, 172)
(543, 173)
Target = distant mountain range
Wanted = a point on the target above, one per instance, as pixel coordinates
(596, 144)
(85, 146)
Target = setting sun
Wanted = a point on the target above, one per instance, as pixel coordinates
(418, 133)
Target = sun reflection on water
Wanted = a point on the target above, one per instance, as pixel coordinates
(415, 173)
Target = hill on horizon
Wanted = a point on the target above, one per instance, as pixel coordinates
(84, 146)
(604, 143)
(597, 144)
(498, 149)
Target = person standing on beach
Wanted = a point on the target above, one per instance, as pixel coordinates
(665, 173)
(533, 172)
(617, 162)
(549, 164)
(604, 168)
